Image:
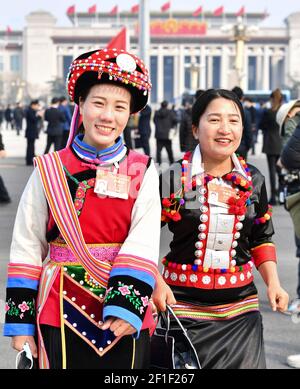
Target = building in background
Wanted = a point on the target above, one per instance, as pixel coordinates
(186, 52)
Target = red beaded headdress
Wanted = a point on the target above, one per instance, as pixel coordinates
(108, 66)
(111, 65)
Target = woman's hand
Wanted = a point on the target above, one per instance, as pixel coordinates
(118, 326)
(278, 298)
(17, 342)
(162, 294)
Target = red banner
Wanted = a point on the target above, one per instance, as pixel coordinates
(173, 27)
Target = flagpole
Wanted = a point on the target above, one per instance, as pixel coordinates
(144, 31)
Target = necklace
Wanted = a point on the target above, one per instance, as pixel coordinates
(172, 205)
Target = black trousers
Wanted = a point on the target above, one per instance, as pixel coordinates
(30, 151)
(126, 354)
(273, 170)
(56, 140)
(145, 144)
(64, 139)
(4, 196)
(167, 144)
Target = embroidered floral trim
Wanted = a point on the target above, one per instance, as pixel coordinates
(128, 291)
(81, 190)
(12, 309)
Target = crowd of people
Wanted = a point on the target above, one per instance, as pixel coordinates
(99, 286)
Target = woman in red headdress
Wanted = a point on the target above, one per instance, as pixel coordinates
(85, 246)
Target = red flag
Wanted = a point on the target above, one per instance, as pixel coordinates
(198, 11)
(114, 11)
(119, 41)
(241, 12)
(92, 9)
(218, 11)
(8, 29)
(71, 10)
(165, 6)
(135, 9)
(266, 14)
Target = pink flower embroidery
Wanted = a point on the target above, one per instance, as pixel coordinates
(81, 185)
(91, 182)
(141, 310)
(145, 301)
(24, 307)
(78, 204)
(6, 308)
(80, 193)
(124, 290)
(22, 315)
(136, 292)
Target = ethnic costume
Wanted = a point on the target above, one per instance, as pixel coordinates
(86, 239)
(222, 228)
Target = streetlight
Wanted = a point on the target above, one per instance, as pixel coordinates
(241, 34)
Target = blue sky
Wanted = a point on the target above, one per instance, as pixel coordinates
(14, 12)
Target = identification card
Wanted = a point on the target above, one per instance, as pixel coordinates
(220, 195)
(111, 184)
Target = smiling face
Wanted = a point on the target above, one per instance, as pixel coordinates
(105, 113)
(220, 129)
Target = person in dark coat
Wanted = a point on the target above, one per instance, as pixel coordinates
(246, 142)
(18, 117)
(65, 109)
(33, 119)
(1, 116)
(55, 119)
(164, 120)
(272, 142)
(186, 137)
(8, 114)
(4, 196)
(144, 128)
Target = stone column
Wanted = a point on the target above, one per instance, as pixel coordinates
(160, 75)
(266, 71)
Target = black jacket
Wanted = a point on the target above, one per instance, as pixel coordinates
(290, 156)
(186, 137)
(32, 121)
(272, 143)
(164, 120)
(55, 119)
(186, 232)
(144, 121)
(246, 141)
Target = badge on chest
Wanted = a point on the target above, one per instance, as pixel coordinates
(112, 184)
(220, 195)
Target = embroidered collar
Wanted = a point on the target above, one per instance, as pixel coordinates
(197, 167)
(89, 153)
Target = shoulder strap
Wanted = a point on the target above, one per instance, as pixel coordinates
(60, 202)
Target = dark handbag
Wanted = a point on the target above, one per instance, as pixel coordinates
(171, 348)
